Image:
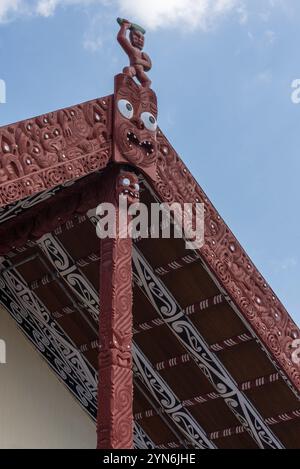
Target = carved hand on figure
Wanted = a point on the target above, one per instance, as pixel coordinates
(125, 24)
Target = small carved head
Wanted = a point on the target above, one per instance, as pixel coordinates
(137, 39)
(128, 186)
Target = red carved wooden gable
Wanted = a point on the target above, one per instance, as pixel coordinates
(171, 295)
(51, 149)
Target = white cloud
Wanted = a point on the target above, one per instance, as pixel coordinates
(8, 7)
(189, 14)
(46, 7)
(153, 14)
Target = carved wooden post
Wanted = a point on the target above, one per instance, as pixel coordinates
(115, 391)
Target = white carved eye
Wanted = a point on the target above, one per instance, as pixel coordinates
(125, 108)
(126, 182)
(149, 121)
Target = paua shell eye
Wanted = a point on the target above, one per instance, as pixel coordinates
(5, 147)
(149, 121)
(125, 108)
(126, 182)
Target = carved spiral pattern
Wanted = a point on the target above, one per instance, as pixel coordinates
(41, 153)
(115, 324)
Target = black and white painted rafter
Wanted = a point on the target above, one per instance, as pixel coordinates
(141, 439)
(52, 342)
(181, 326)
(73, 277)
(167, 400)
(162, 393)
(145, 185)
(49, 338)
(11, 211)
(17, 208)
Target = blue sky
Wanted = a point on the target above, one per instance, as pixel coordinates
(222, 70)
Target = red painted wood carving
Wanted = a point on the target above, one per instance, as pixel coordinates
(46, 151)
(135, 125)
(140, 62)
(115, 396)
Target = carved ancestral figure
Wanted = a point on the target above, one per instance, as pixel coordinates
(135, 125)
(128, 186)
(40, 141)
(10, 166)
(96, 116)
(140, 62)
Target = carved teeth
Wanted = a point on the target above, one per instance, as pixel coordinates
(134, 140)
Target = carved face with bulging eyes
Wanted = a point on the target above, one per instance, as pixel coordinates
(135, 125)
(51, 138)
(145, 121)
(128, 186)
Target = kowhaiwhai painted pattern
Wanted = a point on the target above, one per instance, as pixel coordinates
(49, 338)
(168, 309)
(54, 345)
(69, 273)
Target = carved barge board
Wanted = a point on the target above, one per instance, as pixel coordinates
(47, 151)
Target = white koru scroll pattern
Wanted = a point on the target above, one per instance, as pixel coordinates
(182, 327)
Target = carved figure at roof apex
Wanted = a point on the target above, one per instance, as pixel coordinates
(140, 62)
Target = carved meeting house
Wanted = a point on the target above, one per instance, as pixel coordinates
(163, 347)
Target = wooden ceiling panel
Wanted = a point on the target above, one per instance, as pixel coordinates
(246, 362)
(187, 381)
(159, 344)
(283, 399)
(190, 284)
(218, 323)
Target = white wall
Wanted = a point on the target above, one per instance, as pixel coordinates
(36, 410)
